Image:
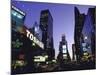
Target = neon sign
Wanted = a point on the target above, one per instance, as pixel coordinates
(34, 39)
(64, 49)
(18, 10)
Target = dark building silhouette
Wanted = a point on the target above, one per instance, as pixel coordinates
(79, 22)
(46, 25)
(21, 46)
(17, 21)
(63, 56)
(89, 31)
(85, 33)
(92, 11)
(23, 49)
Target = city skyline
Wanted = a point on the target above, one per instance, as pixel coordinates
(63, 20)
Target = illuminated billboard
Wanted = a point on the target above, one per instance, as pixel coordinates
(34, 39)
(40, 58)
(64, 48)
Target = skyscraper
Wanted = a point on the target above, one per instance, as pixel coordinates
(20, 44)
(17, 16)
(89, 31)
(17, 22)
(63, 55)
(84, 34)
(46, 25)
(79, 22)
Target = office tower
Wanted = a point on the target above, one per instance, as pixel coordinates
(89, 31)
(63, 55)
(79, 21)
(46, 25)
(17, 16)
(17, 22)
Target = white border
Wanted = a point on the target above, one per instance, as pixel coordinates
(5, 37)
(86, 2)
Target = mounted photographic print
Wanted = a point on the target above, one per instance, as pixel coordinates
(51, 37)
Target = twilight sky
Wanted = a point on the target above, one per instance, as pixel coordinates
(63, 19)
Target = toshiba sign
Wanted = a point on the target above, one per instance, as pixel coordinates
(34, 39)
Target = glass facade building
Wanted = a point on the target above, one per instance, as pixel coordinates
(89, 32)
(17, 16)
(79, 21)
(46, 25)
(84, 34)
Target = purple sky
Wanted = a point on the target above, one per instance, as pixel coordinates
(63, 19)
